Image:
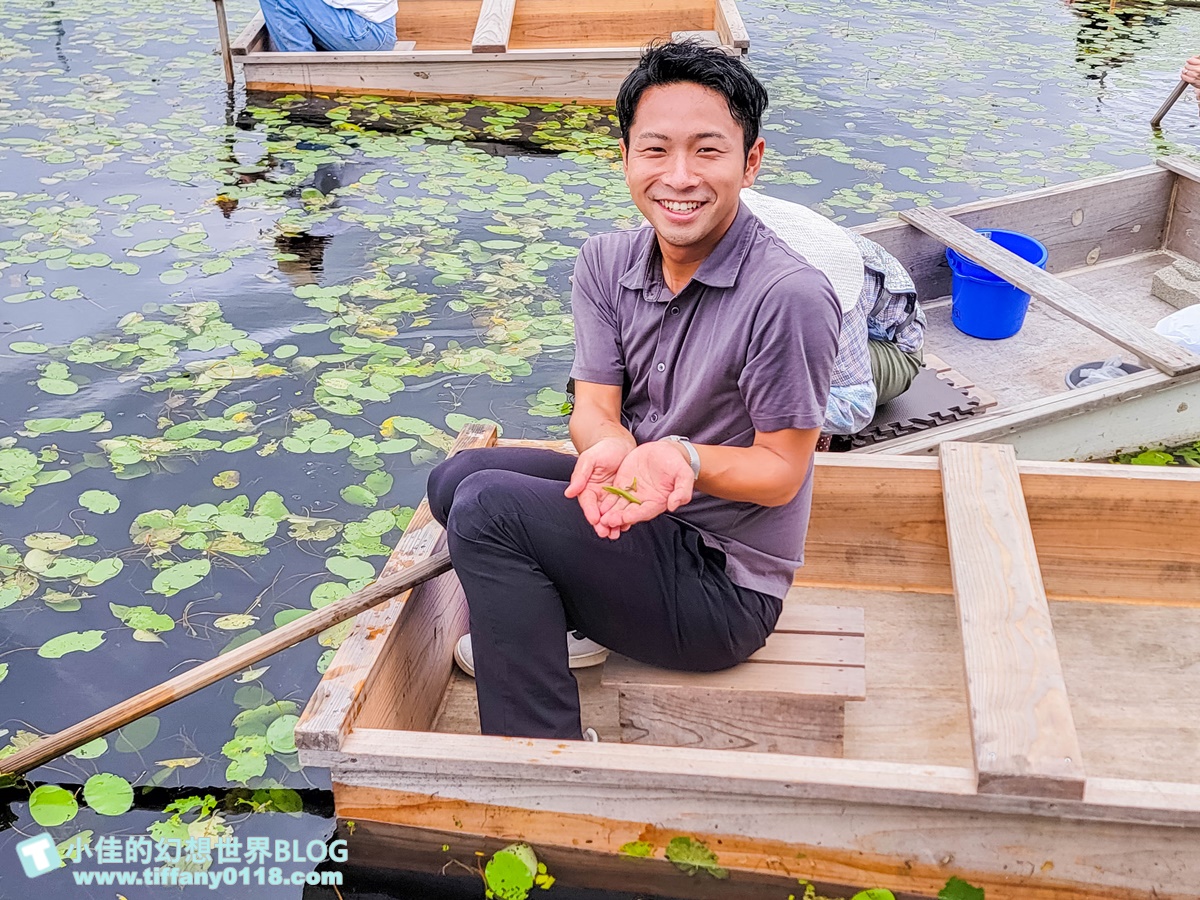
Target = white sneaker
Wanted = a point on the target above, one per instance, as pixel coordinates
(589, 735)
(581, 653)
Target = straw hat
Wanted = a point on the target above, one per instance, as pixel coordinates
(824, 244)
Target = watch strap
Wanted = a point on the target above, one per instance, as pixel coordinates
(692, 452)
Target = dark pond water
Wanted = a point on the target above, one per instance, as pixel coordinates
(235, 333)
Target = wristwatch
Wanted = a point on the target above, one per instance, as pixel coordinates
(693, 455)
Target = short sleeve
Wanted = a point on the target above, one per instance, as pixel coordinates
(598, 356)
(790, 358)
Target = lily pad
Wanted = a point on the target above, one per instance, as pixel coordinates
(71, 642)
(137, 735)
(281, 734)
(51, 805)
(181, 576)
(108, 795)
(350, 569)
(227, 480)
(359, 496)
(99, 502)
(91, 750)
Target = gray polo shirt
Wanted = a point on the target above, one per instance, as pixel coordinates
(748, 345)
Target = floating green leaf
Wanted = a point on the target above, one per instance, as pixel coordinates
(510, 873)
(27, 347)
(957, 889)
(359, 496)
(137, 735)
(108, 795)
(71, 642)
(180, 576)
(350, 569)
(3, 671)
(142, 618)
(281, 734)
(691, 856)
(50, 805)
(378, 483)
(99, 502)
(101, 572)
(92, 749)
(227, 480)
(639, 849)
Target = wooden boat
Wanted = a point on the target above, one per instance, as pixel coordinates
(1028, 724)
(1107, 236)
(517, 50)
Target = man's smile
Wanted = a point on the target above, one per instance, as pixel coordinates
(680, 207)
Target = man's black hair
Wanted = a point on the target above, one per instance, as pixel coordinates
(710, 67)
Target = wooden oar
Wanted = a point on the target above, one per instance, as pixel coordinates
(1168, 103)
(206, 673)
(223, 31)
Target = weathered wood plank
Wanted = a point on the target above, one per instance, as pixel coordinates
(1112, 324)
(846, 682)
(913, 858)
(438, 24)
(1183, 229)
(1181, 165)
(362, 660)
(605, 23)
(1090, 423)
(787, 649)
(730, 25)
(726, 720)
(1098, 529)
(252, 37)
(582, 76)
(809, 619)
(1021, 722)
(494, 26)
(1080, 222)
(412, 761)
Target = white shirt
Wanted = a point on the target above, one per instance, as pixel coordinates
(373, 10)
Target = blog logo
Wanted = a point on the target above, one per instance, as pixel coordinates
(39, 855)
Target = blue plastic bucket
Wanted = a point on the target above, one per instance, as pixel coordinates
(984, 305)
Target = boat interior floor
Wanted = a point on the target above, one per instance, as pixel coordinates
(1034, 362)
(1133, 683)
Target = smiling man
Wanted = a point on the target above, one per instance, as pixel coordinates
(704, 347)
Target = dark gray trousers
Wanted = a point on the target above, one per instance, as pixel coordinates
(533, 569)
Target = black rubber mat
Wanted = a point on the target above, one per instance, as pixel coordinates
(929, 402)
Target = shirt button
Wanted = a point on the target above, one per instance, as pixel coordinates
(653, 417)
(662, 367)
(674, 310)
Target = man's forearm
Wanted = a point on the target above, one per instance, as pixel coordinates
(754, 474)
(589, 428)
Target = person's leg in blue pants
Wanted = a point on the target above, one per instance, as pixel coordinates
(299, 25)
(533, 568)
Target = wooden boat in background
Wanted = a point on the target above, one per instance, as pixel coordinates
(1027, 724)
(515, 50)
(1107, 236)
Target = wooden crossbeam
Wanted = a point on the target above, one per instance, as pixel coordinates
(493, 26)
(1021, 722)
(730, 25)
(1180, 165)
(1148, 346)
(249, 39)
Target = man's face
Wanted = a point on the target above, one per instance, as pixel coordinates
(685, 164)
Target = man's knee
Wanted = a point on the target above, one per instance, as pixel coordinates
(484, 498)
(444, 481)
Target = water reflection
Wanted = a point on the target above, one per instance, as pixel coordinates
(1111, 32)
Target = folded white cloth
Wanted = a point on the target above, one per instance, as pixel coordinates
(824, 244)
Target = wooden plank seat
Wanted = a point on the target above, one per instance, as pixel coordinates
(789, 697)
